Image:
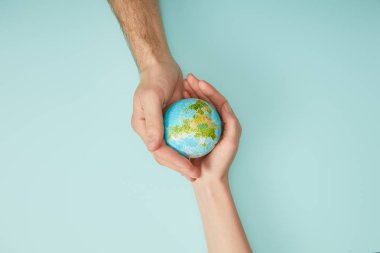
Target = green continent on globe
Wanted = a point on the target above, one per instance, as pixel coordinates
(201, 125)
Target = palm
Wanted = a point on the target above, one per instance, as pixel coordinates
(211, 164)
(159, 87)
(217, 162)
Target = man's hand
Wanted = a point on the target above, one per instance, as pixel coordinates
(161, 78)
(159, 87)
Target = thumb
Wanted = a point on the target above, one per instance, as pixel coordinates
(154, 129)
(232, 127)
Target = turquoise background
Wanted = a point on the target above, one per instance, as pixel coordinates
(302, 76)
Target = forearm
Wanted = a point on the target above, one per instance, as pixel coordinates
(224, 232)
(141, 23)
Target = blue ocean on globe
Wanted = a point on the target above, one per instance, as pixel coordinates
(192, 127)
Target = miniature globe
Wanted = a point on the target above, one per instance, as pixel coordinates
(192, 127)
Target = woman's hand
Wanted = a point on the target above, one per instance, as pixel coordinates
(223, 230)
(215, 165)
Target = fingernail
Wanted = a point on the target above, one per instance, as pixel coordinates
(202, 85)
(227, 107)
(191, 76)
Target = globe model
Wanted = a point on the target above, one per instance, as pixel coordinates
(192, 127)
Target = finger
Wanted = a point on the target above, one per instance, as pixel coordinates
(194, 84)
(186, 94)
(169, 165)
(212, 94)
(138, 124)
(188, 88)
(176, 161)
(232, 127)
(152, 107)
(189, 178)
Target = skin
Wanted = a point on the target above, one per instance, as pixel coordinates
(160, 85)
(222, 226)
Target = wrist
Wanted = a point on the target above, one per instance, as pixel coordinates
(154, 60)
(201, 184)
(211, 192)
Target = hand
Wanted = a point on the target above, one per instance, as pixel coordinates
(161, 85)
(216, 164)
